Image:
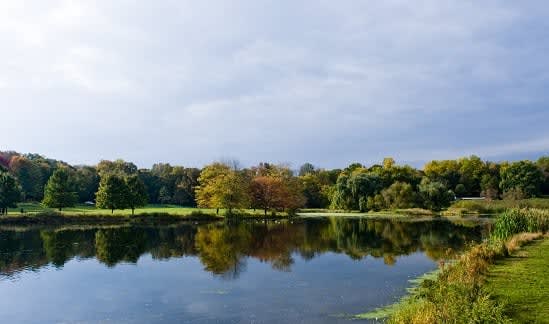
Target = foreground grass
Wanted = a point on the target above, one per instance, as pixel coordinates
(522, 283)
(460, 294)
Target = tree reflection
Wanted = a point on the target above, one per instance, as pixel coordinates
(224, 248)
(125, 244)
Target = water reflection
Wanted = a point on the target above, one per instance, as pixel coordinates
(224, 248)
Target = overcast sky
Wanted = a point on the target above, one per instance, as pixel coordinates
(330, 82)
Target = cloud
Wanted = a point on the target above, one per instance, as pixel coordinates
(321, 81)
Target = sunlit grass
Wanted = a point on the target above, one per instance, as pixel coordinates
(459, 293)
(522, 283)
(35, 208)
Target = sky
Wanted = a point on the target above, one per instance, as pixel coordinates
(327, 82)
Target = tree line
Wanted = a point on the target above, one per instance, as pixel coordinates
(268, 187)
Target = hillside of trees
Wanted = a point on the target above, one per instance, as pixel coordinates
(269, 187)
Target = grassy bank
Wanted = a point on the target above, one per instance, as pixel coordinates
(35, 208)
(521, 282)
(56, 218)
(393, 212)
(464, 207)
(35, 214)
(460, 293)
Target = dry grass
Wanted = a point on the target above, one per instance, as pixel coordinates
(517, 241)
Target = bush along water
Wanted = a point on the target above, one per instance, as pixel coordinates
(457, 294)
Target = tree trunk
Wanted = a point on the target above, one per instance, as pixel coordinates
(217, 211)
(133, 209)
(265, 211)
(112, 210)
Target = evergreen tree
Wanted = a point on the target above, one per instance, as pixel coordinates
(10, 192)
(60, 190)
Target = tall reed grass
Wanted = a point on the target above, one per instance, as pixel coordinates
(514, 221)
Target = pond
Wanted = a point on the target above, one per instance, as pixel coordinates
(305, 270)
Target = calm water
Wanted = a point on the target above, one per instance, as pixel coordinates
(301, 271)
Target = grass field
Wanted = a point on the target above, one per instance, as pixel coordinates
(522, 283)
(35, 208)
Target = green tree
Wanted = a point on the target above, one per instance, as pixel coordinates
(186, 179)
(460, 190)
(306, 168)
(471, 171)
(446, 171)
(86, 180)
(523, 175)
(435, 195)
(399, 195)
(314, 191)
(489, 185)
(375, 203)
(10, 192)
(60, 190)
(118, 167)
(32, 175)
(137, 193)
(112, 193)
(543, 165)
(164, 195)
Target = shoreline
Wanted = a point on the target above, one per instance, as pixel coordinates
(461, 289)
(166, 218)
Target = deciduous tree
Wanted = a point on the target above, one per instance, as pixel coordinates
(435, 195)
(266, 192)
(221, 186)
(112, 193)
(399, 195)
(137, 193)
(523, 175)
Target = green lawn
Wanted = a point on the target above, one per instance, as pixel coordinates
(34, 208)
(522, 281)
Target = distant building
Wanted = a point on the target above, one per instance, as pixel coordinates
(472, 198)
